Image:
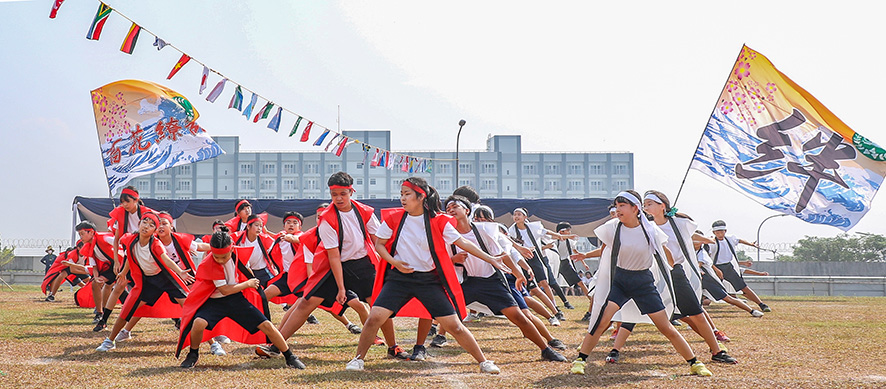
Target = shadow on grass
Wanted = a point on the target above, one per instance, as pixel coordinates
(608, 374)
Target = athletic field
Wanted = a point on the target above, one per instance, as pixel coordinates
(805, 342)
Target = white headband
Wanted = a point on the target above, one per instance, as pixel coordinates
(648, 227)
(521, 210)
(653, 197)
(630, 197)
(719, 228)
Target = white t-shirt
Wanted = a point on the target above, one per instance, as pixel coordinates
(257, 259)
(723, 248)
(634, 251)
(173, 255)
(412, 243)
(132, 221)
(538, 232)
(476, 267)
(287, 253)
(309, 255)
(145, 260)
(565, 251)
(230, 279)
(704, 258)
(97, 254)
(353, 246)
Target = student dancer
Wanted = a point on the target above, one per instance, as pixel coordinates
(684, 275)
(531, 233)
(125, 219)
(711, 282)
(262, 265)
(726, 261)
(631, 244)
(242, 211)
(153, 273)
(98, 248)
(566, 247)
(65, 267)
(419, 277)
(343, 265)
(224, 301)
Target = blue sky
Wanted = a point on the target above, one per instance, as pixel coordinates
(573, 76)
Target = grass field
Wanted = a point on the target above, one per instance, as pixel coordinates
(805, 342)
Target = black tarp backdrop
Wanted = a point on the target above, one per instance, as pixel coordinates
(196, 216)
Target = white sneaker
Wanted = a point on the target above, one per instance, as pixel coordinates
(222, 339)
(355, 364)
(106, 345)
(756, 313)
(123, 335)
(489, 367)
(216, 349)
(554, 321)
(472, 318)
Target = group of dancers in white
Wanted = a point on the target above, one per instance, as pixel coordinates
(432, 259)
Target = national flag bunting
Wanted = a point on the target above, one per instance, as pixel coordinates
(341, 147)
(264, 112)
(307, 132)
(770, 139)
(131, 37)
(178, 65)
(248, 110)
(160, 43)
(374, 160)
(274, 124)
(331, 140)
(217, 91)
(101, 16)
(322, 136)
(295, 127)
(55, 6)
(203, 79)
(237, 99)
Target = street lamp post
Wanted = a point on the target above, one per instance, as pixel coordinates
(761, 226)
(461, 124)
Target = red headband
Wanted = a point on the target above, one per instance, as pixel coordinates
(342, 187)
(167, 217)
(127, 191)
(291, 217)
(414, 187)
(221, 251)
(240, 203)
(153, 217)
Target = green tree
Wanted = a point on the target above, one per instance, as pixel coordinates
(860, 247)
(6, 254)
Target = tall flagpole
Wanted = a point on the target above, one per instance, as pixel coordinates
(706, 127)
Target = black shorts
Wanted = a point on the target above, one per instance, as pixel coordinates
(109, 275)
(359, 275)
(492, 292)
(233, 306)
(263, 275)
(154, 286)
(637, 285)
(684, 295)
(568, 273)
(539, 270)
(530, 283)
(518, 295)
(426, 287)
(710, 284)
(77, 278)
(282, 285)
(729, 274)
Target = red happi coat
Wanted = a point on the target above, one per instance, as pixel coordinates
(298, 280)
(83, 296)
(182, 244)
(118, 219)
(264, 243)
(235, 222)
(394, 218)
(57, 267)
(165, 307)
(277, 256)
(203, 287)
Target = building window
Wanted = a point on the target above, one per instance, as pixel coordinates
(444, 184)
(444, 168)
(595, 169)
(164, 172)
(288, 197)
(552, 169)
(620, 185)
(358, 181)
(184, 197)
(268, 197)
(183, 185)
(575, 169)
(596, 185)
(372, 196)
(162, 197)
(552, 185)
(372, 181)
(396, 184)
(465, 168)
(576, 185)
(620, 169)
(268, 168)
(162, 185)
(289, 184)
(487, 185)
(246, 184)
(360, 165)
(333, 168)
(246, 168)
(311, 184)
(466, 182)
(184, 170)
(489, 168)
(143, 186)
(269, 185)
(529, 185)
(289, 168)
(529, 169)
(312, 168)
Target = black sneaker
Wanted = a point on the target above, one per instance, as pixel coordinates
(177, 323)
(612, 357)
(432, 331)
(586, 317)
(397, 352)
(293, 362)
(354, 329)
(549, 354)
(557, 344)
(438, 341)
(50, 298)
(267, 351)
(567, 305)
(99, 326)
(676, 323)
(286, 307)
(97, 318)
(189, 361)
(722, 357)
(419, 353)
(560, 316)
(313, 320)
(765, 308)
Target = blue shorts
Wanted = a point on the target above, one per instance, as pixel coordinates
(492, 292)
(282, 285)
(519, 296)
(710, 284)
(637, 285)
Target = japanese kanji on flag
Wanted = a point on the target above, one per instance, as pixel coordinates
(144, 128)
(771, 140)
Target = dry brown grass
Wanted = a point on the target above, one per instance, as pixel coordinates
(805, 342)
